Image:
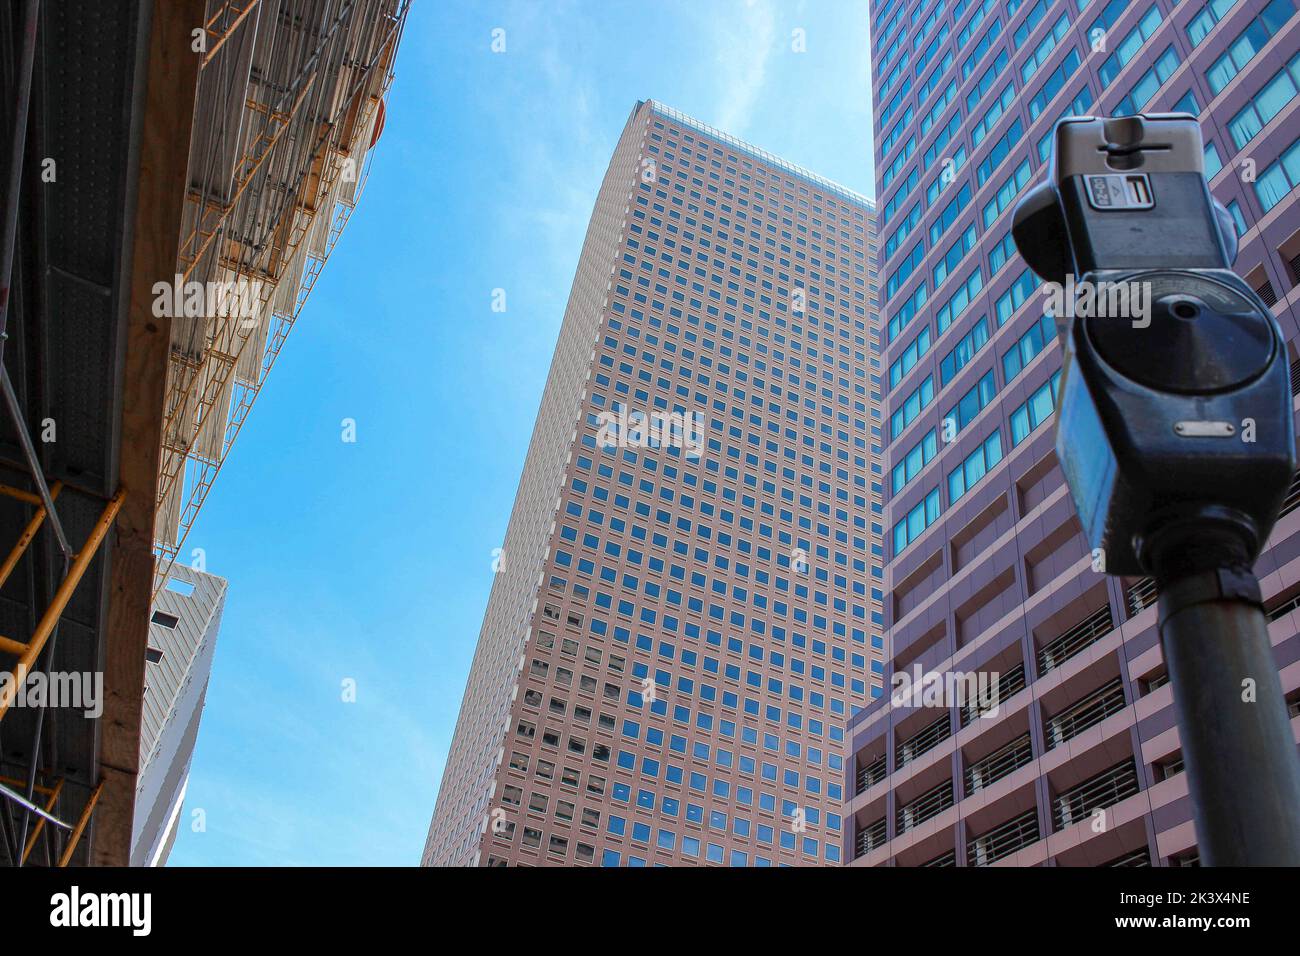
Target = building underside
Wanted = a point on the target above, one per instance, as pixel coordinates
(142, 158)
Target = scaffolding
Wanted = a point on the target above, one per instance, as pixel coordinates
(289, 103)
(17, 796)
(18, 836)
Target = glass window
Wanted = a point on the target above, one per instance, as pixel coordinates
(918, 519)
(1279, 178)
(1234, 207)
(916, 459)
(1039, 336)
(1015, 296)
(1266, 104)
(1151, 81)
(1212, 162)
(1034, 411)
(1187, 104)
(1247, 43)
(979, 463)
(964, 351)
(1201, 24)
(1128, 47)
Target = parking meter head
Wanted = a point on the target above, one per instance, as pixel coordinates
(1174, 403)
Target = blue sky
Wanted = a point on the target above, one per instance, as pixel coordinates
(371, 561)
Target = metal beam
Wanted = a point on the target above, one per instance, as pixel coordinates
(229, 30)
(50, 619)
(40, 822)
(22, 100)
(26, 804)
(25, 539)
(33, 462)
(167, 109)
(80, 828)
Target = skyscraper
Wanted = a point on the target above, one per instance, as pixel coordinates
(988, 571)
(182, 643)
(685, 612)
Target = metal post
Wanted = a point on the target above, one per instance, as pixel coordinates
(50, 619)
(1243, 770)
(80, 828)
(33, 461)
(50, 804)
(18, 144)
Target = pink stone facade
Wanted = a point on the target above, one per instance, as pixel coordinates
(1081, 764)
(675, 641)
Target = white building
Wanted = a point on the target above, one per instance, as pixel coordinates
(182, 641)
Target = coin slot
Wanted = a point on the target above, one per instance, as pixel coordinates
(1139, 191)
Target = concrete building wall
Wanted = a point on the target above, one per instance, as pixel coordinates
(674, 643)
(995, 577)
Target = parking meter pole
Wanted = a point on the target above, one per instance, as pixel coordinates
(1239, 751)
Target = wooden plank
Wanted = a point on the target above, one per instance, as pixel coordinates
(171, 79)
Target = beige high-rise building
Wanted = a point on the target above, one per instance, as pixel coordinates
(687, 606)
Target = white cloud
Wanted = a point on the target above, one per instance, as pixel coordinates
(745, 46)
(544, 204)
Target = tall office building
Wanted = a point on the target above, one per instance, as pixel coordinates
(182, 642)
(685, 612)
(988, 571)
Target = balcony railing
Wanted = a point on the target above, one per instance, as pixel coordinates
(1283, 609)
(1267, 293)
(1155, 683)
(1135, 858)
(998, 764)
(871, 774)
(927, 738)
(1170, 767)
(1016, 834)
(1010, 683)
(943, 859)
(1141, 595)
(929, 804)
(870, 837)
(1292, 500)
(1096, 793)
(1088, 712)
(1084, 634)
